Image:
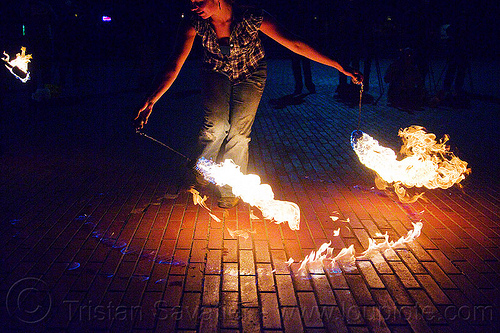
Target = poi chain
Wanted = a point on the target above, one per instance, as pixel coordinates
(360, 99)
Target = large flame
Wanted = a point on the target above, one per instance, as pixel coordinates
(324, 257)
(427, 162)
(21, 62)
(250, 190)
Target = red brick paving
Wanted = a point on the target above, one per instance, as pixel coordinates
(151, 261)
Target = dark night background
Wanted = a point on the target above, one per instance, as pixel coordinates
(137, 25)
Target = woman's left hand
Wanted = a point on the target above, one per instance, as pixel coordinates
(356, 76)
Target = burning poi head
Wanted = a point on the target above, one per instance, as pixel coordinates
(426, 162)
(18, 66)
(250, 190)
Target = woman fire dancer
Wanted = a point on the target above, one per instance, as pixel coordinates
(233, 76)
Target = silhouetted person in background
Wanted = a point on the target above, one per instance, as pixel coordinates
(302, 22)
(458, 61)
(348, 38)
(406, 84)
(299, 64)
(420, 33)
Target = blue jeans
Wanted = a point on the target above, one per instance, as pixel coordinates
(229, 112)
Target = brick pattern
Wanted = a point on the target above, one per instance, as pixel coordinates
(150, 260)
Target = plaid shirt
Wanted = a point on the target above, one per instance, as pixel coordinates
(245, 47)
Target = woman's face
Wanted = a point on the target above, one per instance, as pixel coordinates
(204, 8)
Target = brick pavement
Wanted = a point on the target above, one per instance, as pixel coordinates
(97, 238)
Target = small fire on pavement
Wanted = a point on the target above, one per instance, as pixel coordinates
(324, 259)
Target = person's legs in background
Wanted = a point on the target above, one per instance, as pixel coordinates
(297, 74)
(306, 66)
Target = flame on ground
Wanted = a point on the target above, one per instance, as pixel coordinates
(21, 61)
(426, 163)
(324, 258)
(198, 200)
(250, 190)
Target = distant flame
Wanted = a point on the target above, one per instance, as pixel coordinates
(427, 163)
(21, 61)
(347, 256)
(250, 190)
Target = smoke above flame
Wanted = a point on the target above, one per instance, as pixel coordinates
(425, 163)
(250, 190)
(20, 62)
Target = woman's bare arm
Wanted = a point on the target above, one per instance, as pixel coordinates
(182, 48)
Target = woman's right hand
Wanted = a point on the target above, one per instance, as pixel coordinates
(143, 114)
